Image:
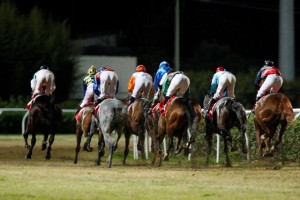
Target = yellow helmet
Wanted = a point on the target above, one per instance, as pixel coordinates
(91, 71)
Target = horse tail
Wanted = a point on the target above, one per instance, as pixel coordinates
(287, 111)
(240, 114)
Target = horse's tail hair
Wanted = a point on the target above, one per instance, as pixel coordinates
(240, 113)
(288, 113)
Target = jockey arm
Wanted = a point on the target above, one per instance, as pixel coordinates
(97, 84)
(84, 86)
(131, 84)
(258, 79)
(214, 85)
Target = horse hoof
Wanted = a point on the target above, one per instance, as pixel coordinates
(27, 157)
(44, 146)
(88, 149)
(97, 162)
(48, 157)
(268, 154)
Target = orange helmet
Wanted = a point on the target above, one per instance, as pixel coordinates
(220, 68)
(140, 68)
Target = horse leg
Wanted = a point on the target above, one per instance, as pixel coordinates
(279, 137)
(44, 142)
(208, 137)
(87, 145)
(78, 139)
(101, 146)
(171, 146)
(141, 143)
(111, 148)
(260, 142)
(126, 150)
(179, 147)
(51, 140)
(228, 163)
(33, 141)
(25, 136)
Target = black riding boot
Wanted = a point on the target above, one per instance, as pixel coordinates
(210, 104)
(164, 105)
(131, 100)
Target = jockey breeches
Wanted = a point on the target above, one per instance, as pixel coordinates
(108, 86)
(89, 95)
(272, 83)
(226, 81)
(178, 86)
(142, 87)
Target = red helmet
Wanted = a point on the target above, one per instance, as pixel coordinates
(140, 68)
(221, 68)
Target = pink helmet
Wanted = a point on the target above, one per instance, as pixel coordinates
(220, 68)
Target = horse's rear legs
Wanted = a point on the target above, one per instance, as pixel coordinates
(51, 140)
(29, 147)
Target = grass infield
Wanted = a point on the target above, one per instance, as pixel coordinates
(59, 178)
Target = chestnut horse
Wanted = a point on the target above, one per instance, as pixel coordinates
(136, 126)
(272, 110)
(111, 119)
(83, 124)
(227, 113)
(182, 115)
(44, 116)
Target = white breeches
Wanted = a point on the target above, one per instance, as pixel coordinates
(228, 81)
(178, 86)
(142, 87)
(108, 86)
(43, 79)
(89, 95)
(272, 83)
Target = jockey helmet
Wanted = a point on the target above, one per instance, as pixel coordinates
(102, 69)
(92, 71)
(269, 63)
(44, 67)
(164, 64)
(140, 68)
(220, 68)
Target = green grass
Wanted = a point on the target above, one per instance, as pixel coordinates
(59, 178)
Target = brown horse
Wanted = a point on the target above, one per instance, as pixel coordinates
(272, 110)
(228, 113)
(182, 116)
(136, 126)
(83, 124)
(44, 116)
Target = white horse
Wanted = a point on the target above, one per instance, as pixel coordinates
(111, 119)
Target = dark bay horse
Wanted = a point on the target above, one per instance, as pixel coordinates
(182, 116)
(83, 124)
(136, 126)
(272, 110)
(111, 119)
(44, 116)
(228, 113)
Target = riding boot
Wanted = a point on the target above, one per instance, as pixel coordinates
(131, 100)
(210, 104)
(164, 105)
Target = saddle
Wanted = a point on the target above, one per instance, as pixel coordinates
(161, 107)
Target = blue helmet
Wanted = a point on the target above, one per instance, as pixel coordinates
(164, 64)
(102, 69)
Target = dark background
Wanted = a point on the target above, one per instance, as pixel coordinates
(248, 28)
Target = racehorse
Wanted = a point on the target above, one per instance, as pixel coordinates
(272, 110)
(136, 126)
(182, 115)
(111, 119)
(227, 113)
(44, 116)
(83, 123)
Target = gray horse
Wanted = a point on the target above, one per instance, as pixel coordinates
(111, 119)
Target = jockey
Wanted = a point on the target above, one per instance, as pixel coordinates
(268, 79)
(106, 84)
(87, 88)
(43, 82)
(222, 85)
(140, 84)
(164, 67)
(173, 83)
